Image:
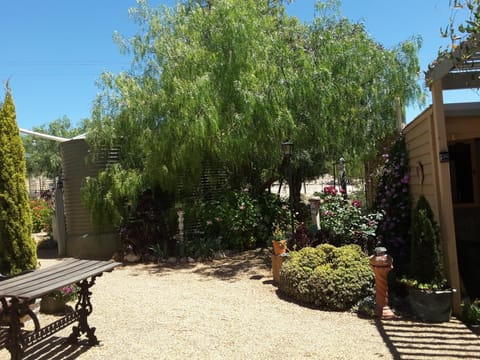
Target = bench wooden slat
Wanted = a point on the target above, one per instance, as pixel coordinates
(43, 281)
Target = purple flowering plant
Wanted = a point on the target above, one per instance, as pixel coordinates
(394, 200)
(66, 293)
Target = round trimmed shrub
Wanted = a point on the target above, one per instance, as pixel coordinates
(333, 278)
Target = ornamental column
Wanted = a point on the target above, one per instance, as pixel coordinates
(381, 264)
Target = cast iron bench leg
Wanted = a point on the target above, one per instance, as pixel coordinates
(15, 343)
(84, 308)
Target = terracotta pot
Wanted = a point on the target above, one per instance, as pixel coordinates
(277, 261)
(279, 246)
(49, 305)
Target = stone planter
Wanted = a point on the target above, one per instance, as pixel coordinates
(431, 306)
(49, 305)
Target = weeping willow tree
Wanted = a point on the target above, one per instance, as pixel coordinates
(17, 246)
(228, 81)
(347, 99)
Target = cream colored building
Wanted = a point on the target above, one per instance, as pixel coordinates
(444, 149)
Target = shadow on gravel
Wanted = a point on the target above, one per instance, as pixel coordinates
(55, 348)
(253, 263)
(414, 340)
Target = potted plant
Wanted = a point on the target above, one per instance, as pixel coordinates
(55, 302)
(279, 241)
(471, 314)
(430, 297)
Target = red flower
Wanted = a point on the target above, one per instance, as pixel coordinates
(330, 190)
(356, 203)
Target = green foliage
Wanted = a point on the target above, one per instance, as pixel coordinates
(365, 307)
(344, 222)
(426, 267)
(157, 250)
(17, 247)
(237, 220)
(460, 31)
(328, 277)
(151, 225)
(231, 80)
(112, 194)
(394, 200)
(41, 215)
(471, 312)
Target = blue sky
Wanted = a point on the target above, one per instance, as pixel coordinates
(53, 51)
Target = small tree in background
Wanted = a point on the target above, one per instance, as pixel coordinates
(44, 155)
(427, 258)
(17, 247)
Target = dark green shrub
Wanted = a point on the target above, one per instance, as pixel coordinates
(365, 307)
(426, 268)
(471, 312)
(237, 220)
(329, 277)
(17, 246)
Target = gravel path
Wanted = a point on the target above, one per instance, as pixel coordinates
(229, 309)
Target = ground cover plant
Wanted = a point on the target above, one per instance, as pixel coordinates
(333, 278)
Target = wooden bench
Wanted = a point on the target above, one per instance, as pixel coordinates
(17, 293)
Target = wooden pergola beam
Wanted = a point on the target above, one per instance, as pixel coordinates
(466, 52)
(461, 80)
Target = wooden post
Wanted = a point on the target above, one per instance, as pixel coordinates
(444, 193)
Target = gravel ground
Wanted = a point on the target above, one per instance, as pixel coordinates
(229, 309)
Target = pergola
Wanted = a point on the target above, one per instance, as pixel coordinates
(458, 69)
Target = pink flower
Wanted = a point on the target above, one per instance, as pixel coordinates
(356, 203)
(330, 190)
(209, 222)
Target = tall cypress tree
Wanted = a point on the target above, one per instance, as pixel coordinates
(17, 247)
